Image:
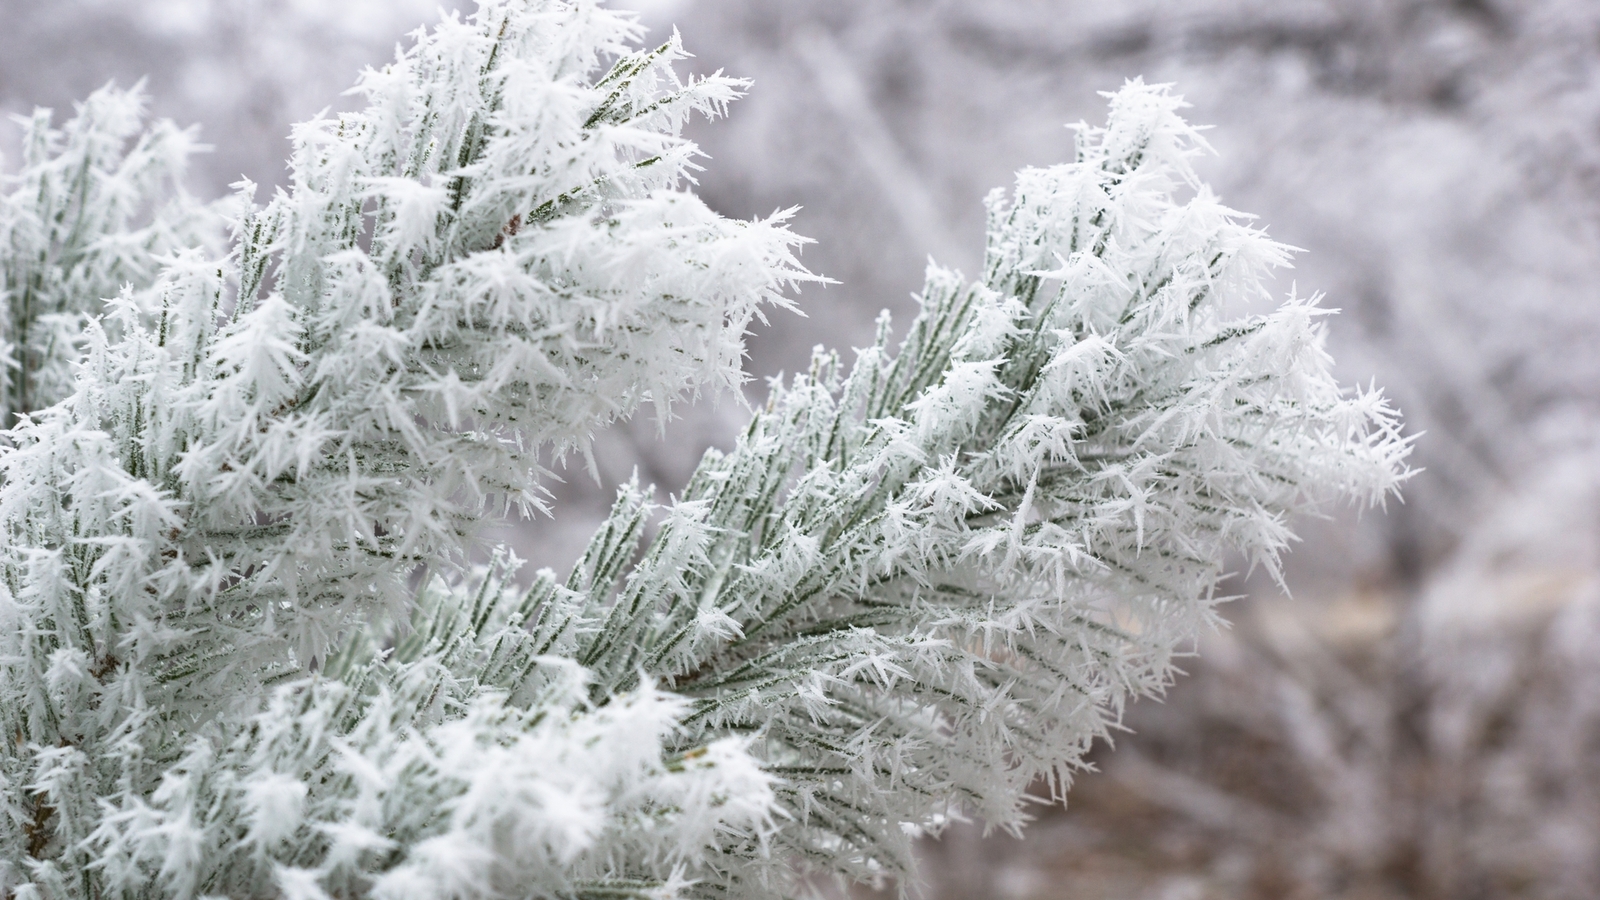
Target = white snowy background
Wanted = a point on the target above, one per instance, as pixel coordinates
(1420, 720)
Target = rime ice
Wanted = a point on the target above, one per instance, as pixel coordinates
(916, 585)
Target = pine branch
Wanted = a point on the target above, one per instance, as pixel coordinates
(914, 587)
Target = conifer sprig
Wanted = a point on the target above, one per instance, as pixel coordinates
(259, 451)
(927, 583)
(93, 206)
(917, 584)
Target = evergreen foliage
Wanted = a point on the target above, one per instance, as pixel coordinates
(917, 584)
(94, 206)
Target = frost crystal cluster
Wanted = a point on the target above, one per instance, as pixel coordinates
(243, 651)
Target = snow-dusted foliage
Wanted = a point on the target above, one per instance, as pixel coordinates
(93, 207)
(931, 581)
(916, 585)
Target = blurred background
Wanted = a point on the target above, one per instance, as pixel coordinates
(1419, 717)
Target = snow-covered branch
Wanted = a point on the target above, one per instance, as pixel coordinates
(916, 585)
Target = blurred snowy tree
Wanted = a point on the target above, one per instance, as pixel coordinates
(97, 204)
(244, 70)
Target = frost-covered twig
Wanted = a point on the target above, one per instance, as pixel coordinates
(94, 206)
(929, 582)
(913, 587)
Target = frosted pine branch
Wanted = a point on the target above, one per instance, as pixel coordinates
(94, 206)
(925, 584)
(918, 584)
